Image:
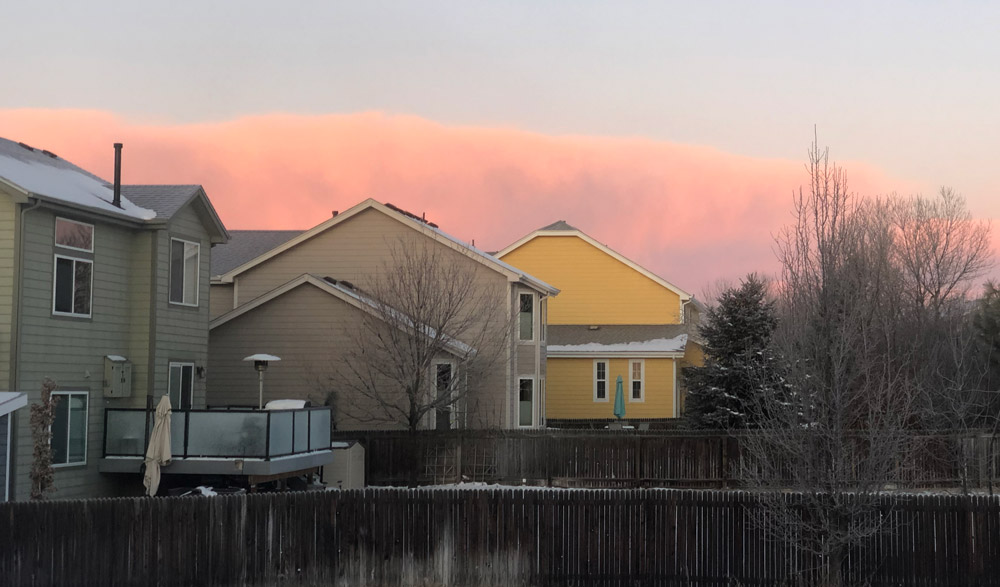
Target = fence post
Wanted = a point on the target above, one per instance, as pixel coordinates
(638, 461)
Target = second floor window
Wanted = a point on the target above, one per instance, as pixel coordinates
(71, 286)
(526, 317)
(184, 257)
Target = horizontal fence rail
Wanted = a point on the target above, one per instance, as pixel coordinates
(499, 536)
(634, 459)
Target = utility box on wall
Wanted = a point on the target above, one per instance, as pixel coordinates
(117, 376)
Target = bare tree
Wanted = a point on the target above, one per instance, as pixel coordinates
(836, 435)
(435, 329)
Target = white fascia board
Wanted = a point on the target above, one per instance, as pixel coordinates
(12, 400)
(613, 355)
(604, 248)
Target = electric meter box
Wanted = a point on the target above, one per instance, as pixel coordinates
(117, 376)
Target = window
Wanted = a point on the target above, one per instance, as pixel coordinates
(69, 428)
(184, 272)
(181, 385)
(600, 381)
(526, 402)
(636, 369)
(444, 379)
(526, 317)
(75, 235)
(71, 286)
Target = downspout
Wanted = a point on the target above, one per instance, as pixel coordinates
(15, 345)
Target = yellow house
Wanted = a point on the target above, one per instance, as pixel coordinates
(613, 318)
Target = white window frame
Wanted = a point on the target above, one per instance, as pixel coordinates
(55, 234)
(453, 406)
(534, 317)
(55, 271)
(170, 375)
(607, 381)
(534, 401)
(170, 272)
(641, 380)
(69, 421)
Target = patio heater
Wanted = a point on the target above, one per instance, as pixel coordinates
(260, 361)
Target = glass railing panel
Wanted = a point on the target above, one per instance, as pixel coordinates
(227, 434)
(319, 430)
(281, 433)
(301, 431)
(124, 434)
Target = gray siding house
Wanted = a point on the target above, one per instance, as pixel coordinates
(108, 297)
(277, 292)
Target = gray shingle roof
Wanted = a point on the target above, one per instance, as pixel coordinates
(245, 245)
(561, 334)
(559, 225)
(165, 200)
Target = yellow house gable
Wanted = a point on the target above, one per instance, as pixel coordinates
(597, 285)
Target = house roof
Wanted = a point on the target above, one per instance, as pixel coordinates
(427, 228)
(167, 200)
(42, 174)
(561, 228)
(633, 340)
(246, 245)
(343, 291)
(12, 400)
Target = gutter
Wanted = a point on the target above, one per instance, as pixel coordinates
(16, 319)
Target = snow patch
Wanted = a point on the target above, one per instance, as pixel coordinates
(67, 185)
(657, 345)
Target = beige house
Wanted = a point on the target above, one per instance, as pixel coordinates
(301, 295)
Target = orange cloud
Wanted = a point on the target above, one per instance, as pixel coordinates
(692, 214)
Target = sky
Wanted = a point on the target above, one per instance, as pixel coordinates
(675, 133)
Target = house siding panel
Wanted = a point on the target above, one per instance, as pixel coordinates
(570, 389)
(8, 233)
(595, 287)
(221, 299)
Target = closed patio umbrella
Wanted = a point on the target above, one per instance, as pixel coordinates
(619, 399)
(158, 452)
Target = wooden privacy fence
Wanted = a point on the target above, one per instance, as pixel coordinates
(501, 536)
(638, 459)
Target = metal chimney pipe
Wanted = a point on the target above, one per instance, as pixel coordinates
(118, 175)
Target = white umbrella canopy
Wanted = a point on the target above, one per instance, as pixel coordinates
(158, 453)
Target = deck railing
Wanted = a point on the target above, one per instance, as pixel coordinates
(221, 434)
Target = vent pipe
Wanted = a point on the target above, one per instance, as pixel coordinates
(118, 175)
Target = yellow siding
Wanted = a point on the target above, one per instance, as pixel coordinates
(570, 389)
(595, 287)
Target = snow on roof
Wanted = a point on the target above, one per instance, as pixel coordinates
(657, 345)
(49, 176)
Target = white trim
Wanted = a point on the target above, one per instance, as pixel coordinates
(613, 355)
(86, 430)
(641, 380)
(180, 399)
(55, 264)
(534, 400)
(55, 234)
(170, 270)
(534, 317)
(656, 278)
(607, 378)
(6, 476)
(677, 393)
(438, 235)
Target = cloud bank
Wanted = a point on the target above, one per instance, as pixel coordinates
(692, 214)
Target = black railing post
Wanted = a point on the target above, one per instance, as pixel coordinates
(187, 431)
(104, 445)
(309, 429)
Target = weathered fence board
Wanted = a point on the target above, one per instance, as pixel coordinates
(510, 536)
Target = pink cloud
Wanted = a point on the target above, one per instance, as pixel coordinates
(692, 214)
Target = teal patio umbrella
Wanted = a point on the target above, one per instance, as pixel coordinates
(619, 399)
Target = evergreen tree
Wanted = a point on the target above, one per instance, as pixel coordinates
(738, 358)
(986, 320)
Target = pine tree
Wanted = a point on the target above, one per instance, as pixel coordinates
(986, 320)
(738, 358)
